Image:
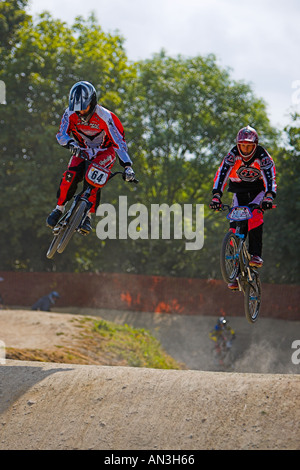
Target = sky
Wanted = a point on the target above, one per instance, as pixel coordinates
(258, 40)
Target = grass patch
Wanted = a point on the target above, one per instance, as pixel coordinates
(137, 347)
(62, 355)
(102, 342)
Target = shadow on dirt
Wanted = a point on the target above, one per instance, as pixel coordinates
(15, 381)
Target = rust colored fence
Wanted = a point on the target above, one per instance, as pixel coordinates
(145, 294)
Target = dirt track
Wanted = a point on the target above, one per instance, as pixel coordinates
(53, 406)
(58, 406)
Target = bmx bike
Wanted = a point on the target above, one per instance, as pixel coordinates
(234, 260)
(72, 221)
(222, 353)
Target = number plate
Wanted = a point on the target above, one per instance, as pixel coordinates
(240, 213)
(97, 176)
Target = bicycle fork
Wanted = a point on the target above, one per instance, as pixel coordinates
(66, 217)
(85, 198)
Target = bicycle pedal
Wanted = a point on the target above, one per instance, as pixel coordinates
(57, 228)
(82, 232)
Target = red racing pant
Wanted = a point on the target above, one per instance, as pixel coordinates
(75, 173)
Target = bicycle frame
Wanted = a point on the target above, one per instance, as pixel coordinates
(234, 260)
(222, 354)
(241, 215)
(84, 196)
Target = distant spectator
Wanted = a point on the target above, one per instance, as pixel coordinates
(44, 303)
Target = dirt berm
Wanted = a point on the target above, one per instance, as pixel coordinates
(65, 406)
(57, 406)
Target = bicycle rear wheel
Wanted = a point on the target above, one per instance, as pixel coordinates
(252, 299)
(74, 222)
(229, 258)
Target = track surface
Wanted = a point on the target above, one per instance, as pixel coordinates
(58, 406)
(55, 406)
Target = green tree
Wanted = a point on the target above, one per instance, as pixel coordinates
(183, 115)
(282, 228)
(48, 57)
(12, 16)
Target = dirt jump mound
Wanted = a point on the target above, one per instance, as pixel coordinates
(58, 406)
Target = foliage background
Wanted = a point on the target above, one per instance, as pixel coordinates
(181, 116)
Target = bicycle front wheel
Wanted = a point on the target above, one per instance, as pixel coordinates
(74, 222)
(229, 258)
(55, 242)
(252, 299)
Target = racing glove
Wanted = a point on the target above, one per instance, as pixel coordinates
(267, 202)
(128, 174)
(74, 148)
(216, 202)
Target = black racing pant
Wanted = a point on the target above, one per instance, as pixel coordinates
(254, 227)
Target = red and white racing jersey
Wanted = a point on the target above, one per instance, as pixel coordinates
(96, 133)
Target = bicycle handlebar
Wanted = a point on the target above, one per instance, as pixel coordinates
(225, 207)
(112, 174)
(121, 173)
